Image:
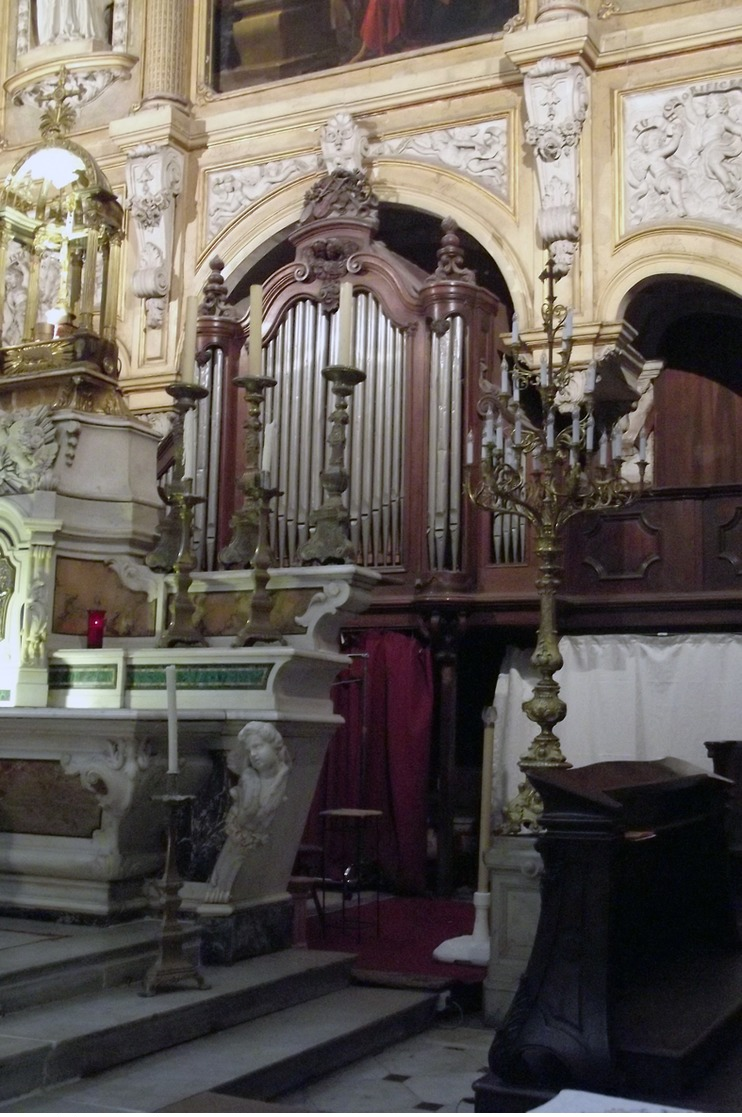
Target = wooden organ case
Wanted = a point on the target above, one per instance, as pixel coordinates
(421, 340)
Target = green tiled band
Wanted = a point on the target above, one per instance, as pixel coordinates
(217, 676)
(68, 676)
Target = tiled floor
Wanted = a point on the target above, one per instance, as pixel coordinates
(430, 1073)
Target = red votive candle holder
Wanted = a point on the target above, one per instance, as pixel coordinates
(96, 625)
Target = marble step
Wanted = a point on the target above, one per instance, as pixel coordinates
(259, 1059)
(44, 961)
(71, 1038)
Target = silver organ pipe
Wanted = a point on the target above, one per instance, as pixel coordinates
(300, 403)
(444, 447)
(202, 438)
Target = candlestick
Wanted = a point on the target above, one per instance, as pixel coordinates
(172, 720)
(616, 441)
(256, 330)
(345, 324)
(187, 363)
(499, 433)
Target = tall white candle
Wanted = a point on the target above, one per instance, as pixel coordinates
(544, 371)
(575, 424)
(172, 720)
(515, 330)
(617, 439)
(604, 448)
(590, 377)
(590, 432)
(256, 330)
(269, 444)
(187, 363)
(642, 445)
(345, 324)
(499, 434)
(550, 431)
(470, 448)
(504, 378)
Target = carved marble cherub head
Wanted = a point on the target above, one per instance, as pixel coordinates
(260, 747)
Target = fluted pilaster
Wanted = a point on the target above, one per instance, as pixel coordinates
(166, 52)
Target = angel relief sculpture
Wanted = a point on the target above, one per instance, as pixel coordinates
(262, 762)
(28, 449)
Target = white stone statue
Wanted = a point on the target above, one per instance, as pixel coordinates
(63, 21)
(262, 762)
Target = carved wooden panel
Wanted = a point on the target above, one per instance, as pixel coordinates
(722, 542)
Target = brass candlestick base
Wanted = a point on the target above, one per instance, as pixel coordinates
(259, 629)
(171, 969)
(330, 540)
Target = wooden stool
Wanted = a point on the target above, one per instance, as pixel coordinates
(301, 889)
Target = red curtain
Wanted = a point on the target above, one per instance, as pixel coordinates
(379, 758)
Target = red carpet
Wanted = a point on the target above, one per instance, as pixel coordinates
(410, 930)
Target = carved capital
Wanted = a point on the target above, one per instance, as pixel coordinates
(556, 96)
(154, 177)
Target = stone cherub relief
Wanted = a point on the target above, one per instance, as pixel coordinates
(684, 154)
(28, 449)
(262, 763)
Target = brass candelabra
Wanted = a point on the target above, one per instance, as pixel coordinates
(547, 466)
(258, 628)
(330, 539)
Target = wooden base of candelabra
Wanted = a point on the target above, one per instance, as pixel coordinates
(171, 969)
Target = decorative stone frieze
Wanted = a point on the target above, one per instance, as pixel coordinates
(479, 151)
(556, 97)
(154, 177)
(683, 154)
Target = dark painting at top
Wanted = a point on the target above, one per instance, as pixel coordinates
(256, 41)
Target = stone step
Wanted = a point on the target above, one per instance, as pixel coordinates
(44, 961)
(66, 1039)
(269, 1055)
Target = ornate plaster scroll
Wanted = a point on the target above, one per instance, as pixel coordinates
(136, 576)
(262, 763)
(683, 154)
(154, 179)
(112, 775)
(479, 151)
(556, 97)
(28, 449)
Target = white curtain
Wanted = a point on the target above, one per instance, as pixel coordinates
(629, 697)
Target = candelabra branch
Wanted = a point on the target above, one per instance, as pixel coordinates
(547, 467)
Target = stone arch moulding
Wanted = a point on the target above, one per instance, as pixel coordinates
(274, 215)
(701, 262)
